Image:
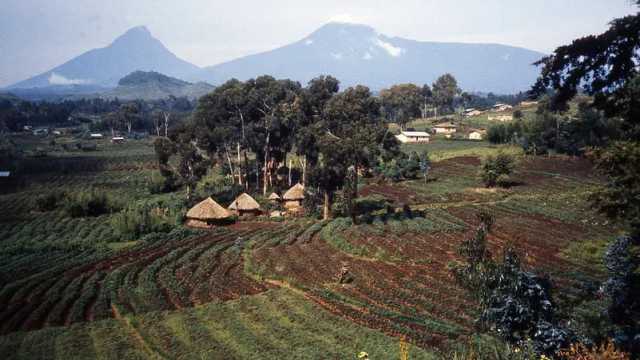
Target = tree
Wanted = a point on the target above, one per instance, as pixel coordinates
(191, 165)
(514, 303)
(427, 99)
(353, 118)
(445, 89)
(401, 103)
(606, 67)
(310, 106)
(601, 64)
(619, 199)
(129, 113)
(270, 133)
(496, 170)
(425, 164)
(222, 117)
(330, 172)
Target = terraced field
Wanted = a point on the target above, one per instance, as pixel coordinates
(273, 287)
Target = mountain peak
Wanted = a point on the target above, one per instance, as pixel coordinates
(136, 49)
(135, 34)
(334, 28)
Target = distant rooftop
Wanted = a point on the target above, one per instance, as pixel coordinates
(415, 133)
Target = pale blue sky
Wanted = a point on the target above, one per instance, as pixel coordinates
(36, 35)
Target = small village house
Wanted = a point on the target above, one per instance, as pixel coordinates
(472, 112)
(274, 198)
(502, 107)
(245, 205)
(501, 118)
(476, 135)
(528, 103)
(413, 137)
(96, 136)
(41, 132)
(208, 213)
(293, 198)
(117, 140)
(445, 128)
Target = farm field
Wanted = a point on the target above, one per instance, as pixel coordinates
(271, 289)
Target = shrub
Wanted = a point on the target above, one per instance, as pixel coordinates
(515, 304)
(606, 351)
(90, 203)
(622, 260)
(496, 170)
(487, 347)
(145, 218)
(312, 202)
(503, 181)
(50, 201)
(219, 186)
(159, 184)
(403, 167)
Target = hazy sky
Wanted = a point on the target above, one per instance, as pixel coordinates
(36, 35)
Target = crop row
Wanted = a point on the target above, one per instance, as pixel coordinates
(164, 274)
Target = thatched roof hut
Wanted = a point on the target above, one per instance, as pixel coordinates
(206, 213)
(295, 193)
(274, 197)
(293, 198)
(245, 204)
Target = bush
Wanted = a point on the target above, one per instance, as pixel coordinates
(496, 170)
(482, 347)
(219, 186)
(145, 218)
(622, 288)
(49, 201)
(312, 203)
(403, 167)
(159, 184)
(90, 203)
(503, 181)
(515, 304)
(606, 351)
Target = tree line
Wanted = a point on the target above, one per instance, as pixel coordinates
(98, 114)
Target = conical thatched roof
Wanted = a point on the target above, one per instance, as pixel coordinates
(208, 209)
(274, 196)
(244, 202)
(295, 193)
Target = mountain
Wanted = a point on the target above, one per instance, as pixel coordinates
(153, 86)
(5, 96)
(357, 54)
(135, 50)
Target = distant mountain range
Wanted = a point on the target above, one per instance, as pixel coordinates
(355, 54)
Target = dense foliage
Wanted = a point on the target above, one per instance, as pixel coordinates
(97, 114)
(144, 218)
(515, 304)
(91, 202)
(495, 171)
(623, 289)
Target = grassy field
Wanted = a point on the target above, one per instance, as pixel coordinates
(273, 325)
(72, 288)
